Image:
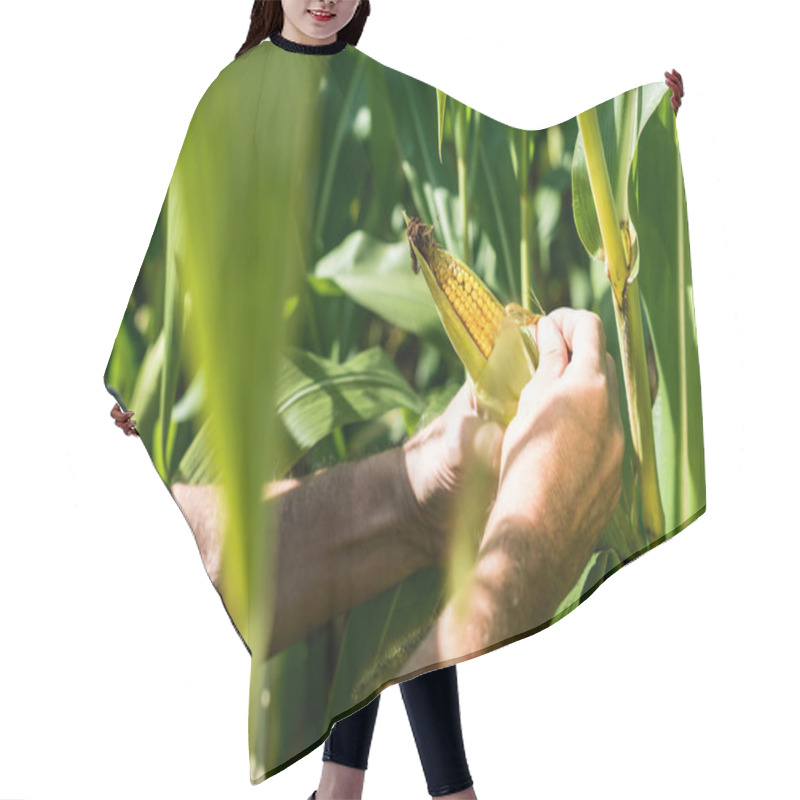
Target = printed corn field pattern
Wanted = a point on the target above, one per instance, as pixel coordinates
(337, 252)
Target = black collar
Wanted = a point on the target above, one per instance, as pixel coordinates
(309, 49)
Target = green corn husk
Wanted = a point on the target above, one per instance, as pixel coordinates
(495, 343)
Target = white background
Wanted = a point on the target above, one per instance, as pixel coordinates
(120, 673)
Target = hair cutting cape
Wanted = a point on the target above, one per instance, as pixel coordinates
(283, 322)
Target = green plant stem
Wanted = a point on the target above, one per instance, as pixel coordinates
(311, 317)
(627, 310)
(460, 135)
(637, 385)
(474, 151)
(627, 147)
(524, 204)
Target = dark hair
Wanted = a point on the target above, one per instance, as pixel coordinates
(266, 18)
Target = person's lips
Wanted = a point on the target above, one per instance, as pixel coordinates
(321, 15)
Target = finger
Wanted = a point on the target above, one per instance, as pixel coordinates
(553, 349)
(464, 399)
(675, 81)
(467, 401)
(118, 414)
(585, 337)
(677, 92)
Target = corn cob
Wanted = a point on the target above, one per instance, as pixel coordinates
(493, 341)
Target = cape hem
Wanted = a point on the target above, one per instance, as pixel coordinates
(475, 654)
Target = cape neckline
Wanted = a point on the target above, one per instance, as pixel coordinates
(308, 49)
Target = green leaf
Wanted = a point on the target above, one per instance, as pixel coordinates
(144, 398)
(171, 365)
(599, 566)
(294, 686)
(382, 633)
(509, 367)
(384, 175)
(658, 207)
(239, 260)
(314, 396)
(497, 208)
(324, 287)
(200, 464)
(441, 104)
(572, 600)
(379, 277)
(433, 183)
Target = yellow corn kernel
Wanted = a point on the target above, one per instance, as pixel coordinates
(477, 308)
(494, 343)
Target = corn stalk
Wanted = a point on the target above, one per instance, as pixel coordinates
(619, 247)
(525, 205)
(461, 125)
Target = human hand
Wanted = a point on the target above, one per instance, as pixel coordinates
(122, 419)
(456, 458)
(561, 459)
(675, 82)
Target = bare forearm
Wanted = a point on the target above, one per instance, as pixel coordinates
(346, 534)
(512, 589)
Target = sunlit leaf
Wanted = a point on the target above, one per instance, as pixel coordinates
(659, 213)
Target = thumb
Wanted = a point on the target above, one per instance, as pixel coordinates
(553, 353)
(488, 443)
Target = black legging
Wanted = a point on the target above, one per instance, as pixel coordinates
(432, 706)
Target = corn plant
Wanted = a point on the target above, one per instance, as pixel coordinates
(247, 361)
